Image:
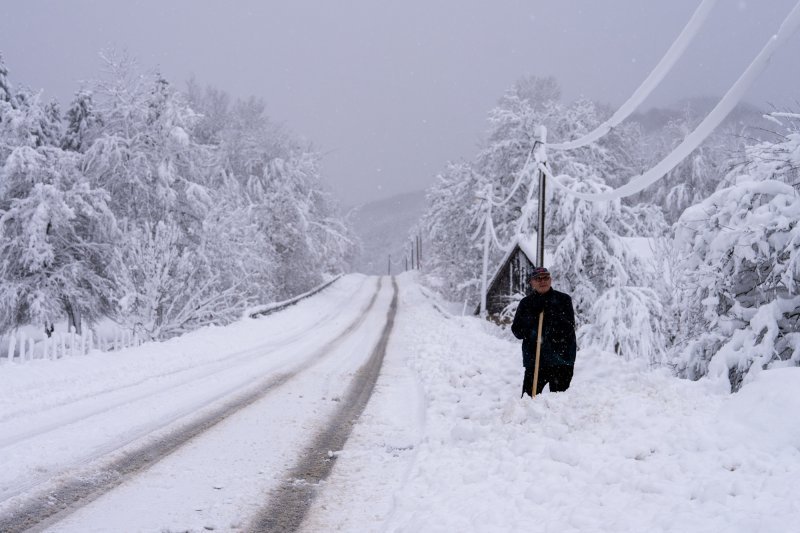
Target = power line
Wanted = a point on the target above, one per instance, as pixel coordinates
(704, 129)
(651, 82)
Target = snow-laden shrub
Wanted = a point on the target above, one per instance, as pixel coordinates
(627, 321)
(164, 287)
(741, 259)
(771, 338)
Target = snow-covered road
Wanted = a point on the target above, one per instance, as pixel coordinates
(444, 444)
(289, 370)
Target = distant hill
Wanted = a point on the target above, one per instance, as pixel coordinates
(384, 227)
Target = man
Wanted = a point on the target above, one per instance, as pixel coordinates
(557, 355)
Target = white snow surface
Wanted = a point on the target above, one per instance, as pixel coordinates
(445, 443)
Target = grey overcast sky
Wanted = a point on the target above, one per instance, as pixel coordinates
(390, 91)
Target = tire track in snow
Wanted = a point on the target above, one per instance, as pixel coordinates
(30, 483)
(290, 503)
(195, 372)
(50, 502)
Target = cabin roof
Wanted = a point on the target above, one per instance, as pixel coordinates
(528, 247)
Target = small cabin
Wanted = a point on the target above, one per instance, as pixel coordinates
(510, 281)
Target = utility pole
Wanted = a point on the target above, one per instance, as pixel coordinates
(389, 265)
(486, 197)
(540, 156)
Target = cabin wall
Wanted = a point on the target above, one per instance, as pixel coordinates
(510, 283)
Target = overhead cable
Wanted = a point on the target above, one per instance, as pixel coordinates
(651, 82)
(692, 141)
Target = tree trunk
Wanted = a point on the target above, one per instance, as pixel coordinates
(73, 316)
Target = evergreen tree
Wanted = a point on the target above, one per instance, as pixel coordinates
(6, 94)
(82, 123)
(39, 125)
(453, 264)
(8, 115)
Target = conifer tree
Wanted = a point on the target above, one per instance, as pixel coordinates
(82, 123)
(6, 95)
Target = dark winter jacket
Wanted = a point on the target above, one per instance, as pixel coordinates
(558, 329)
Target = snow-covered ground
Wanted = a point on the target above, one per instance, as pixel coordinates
(445, 443)
(627, 448)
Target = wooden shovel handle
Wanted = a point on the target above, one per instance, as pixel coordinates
(538, 353)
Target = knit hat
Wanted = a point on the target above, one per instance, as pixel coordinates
(540, 272)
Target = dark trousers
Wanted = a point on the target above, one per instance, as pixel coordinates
(559, 378)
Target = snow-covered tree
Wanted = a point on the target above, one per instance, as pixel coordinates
(453, 260)
(295, 215)
(589, 257)
(275, 181)
(55, 233)
(82, 123)
(40, 123)
(145, 158)
(156, 214)
(239, 251)
(530, 102)
(697, 176)
(24, 120)
(8, 114)
(214, 107)
(5, 90)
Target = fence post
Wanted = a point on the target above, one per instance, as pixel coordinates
(12, 346)
(418, 242)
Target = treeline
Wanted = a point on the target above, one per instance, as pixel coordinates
(160, 209)
(721, 294)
